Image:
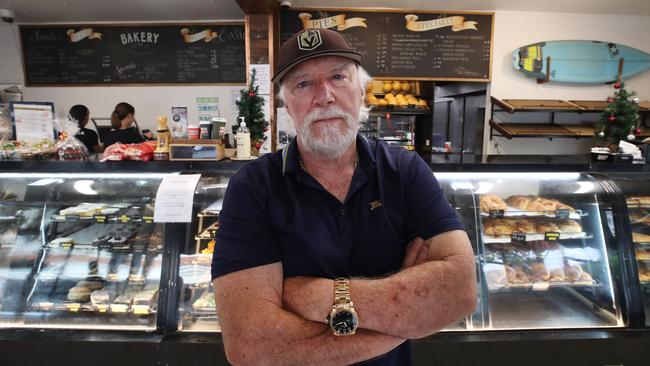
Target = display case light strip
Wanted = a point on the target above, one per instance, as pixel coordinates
(85, 175)
(515, 176)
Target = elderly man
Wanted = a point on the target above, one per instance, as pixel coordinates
(320, 257)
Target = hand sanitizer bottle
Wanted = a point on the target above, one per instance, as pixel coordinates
(243, 138)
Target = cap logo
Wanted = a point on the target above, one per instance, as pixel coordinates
(309, 40)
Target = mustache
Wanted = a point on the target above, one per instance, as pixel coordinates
(326, 113)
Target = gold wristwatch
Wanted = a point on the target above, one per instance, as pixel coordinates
(343, 319)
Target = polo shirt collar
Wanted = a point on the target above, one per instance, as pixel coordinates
(291, 163)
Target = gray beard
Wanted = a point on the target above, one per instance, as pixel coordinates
(331, 143)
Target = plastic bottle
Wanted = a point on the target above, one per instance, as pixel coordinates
(243, 138)
(164, 136)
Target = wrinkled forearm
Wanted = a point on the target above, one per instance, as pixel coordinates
(413, 303)
(418, 301)
(274, 336)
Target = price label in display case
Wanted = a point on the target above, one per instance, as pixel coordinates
(518, 237)
(497, 214)
(551, 236)
(562, 214)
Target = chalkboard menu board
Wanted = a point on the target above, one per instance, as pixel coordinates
(134, 54)
(434, 46)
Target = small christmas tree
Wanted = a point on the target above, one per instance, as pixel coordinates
(620, 120)
(250, 107)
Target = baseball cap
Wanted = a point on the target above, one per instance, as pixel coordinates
(312, 43)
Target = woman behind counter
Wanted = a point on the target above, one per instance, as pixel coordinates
(88, 137)
(122, 132)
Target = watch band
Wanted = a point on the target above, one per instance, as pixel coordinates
(342, 291)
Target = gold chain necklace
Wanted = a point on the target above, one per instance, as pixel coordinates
(303, 167)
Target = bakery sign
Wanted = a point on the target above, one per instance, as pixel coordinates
(83, 34)
(456, 23)
(337, 21)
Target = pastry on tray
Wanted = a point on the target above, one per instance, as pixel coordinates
(547, 226)
(498, 227)
(540, 204)
(569, 226)
(638, 200)
(490, 202)
(640, 237)
(575, 273)
(79, 294)
(557, 275)
(639, 215)
(540, 272)
(146, 297)
(205, 302)
(524, 226)
(643, 255)
(102, 297)
(519, 202)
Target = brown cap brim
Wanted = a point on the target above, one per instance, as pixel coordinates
(352, 55)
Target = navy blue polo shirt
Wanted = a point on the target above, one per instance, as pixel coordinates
(274, 211)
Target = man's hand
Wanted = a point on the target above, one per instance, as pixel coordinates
(303, 296)
(416, 253)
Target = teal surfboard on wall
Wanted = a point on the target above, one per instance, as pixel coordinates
(579, 61)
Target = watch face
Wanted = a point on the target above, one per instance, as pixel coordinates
(344, 322)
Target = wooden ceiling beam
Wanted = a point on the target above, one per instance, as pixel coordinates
(259, 6)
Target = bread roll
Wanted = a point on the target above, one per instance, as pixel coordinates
(521, 277)
(547, 226)
(569, 226)
(541, 205)
(525, 226)
(562, 206)
(640, 237)
(490, 202)
(497, 227)
(511, 274)
(643, 255)
(518, 202)
(557, 275)
(496, 276)
(573, 272)
(540, 272)
(585, 277)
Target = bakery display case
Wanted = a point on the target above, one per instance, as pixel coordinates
(636, 193)
(541, 249)
(197, 310)
(79, 251)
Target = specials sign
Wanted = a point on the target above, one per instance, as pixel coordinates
(426, 45)
(134, 54)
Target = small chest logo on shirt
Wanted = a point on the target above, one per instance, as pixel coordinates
(375, 204)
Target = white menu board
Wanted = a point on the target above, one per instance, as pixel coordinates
(33, 120)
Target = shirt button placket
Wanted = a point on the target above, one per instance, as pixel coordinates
(342, 210)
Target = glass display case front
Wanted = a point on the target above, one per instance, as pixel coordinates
(197, 310)
(79, 251)
(637, 198)
(539, 241)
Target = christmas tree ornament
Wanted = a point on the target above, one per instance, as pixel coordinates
(617, 86)
(601, 134)
(611, 118)
(610, 100)
(636, 100)
(631, 137)
(637, 131)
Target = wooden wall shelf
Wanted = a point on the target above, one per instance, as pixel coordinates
(551, 129)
